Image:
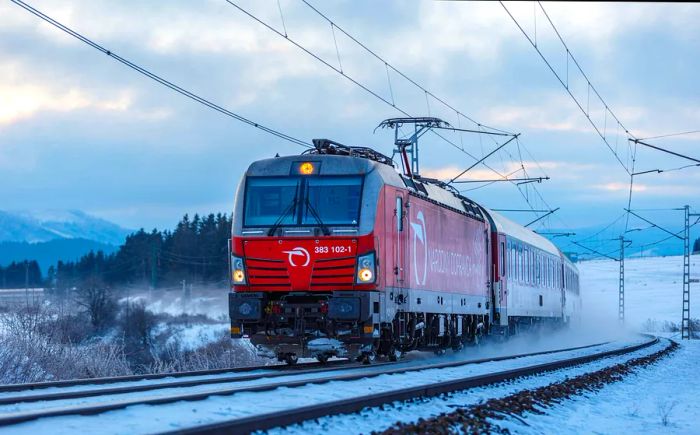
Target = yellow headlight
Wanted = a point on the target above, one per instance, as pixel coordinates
(365, 275)
(238, 276)
(306, 168)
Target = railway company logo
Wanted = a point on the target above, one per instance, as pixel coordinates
(298, 252)
(420, 235)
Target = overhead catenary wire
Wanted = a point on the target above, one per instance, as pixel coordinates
(386, 101)
(682, 133)
(158, 78)
(586, 112)
(601, 130)
(399, 72)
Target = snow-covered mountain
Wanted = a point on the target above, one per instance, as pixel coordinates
(35, 227)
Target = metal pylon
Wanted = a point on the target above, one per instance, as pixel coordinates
(685, 321)
(621, 295)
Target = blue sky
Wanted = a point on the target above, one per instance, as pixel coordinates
(80, 131)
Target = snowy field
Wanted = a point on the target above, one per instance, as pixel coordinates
(661, 399)
(179, 415)
(653, 289)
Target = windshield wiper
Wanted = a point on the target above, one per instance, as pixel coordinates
(290, 207)
(324, 228)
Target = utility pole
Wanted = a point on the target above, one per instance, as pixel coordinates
(26, 282)
(621, 282)
(184, 295)
(154, 265)
(686, 332)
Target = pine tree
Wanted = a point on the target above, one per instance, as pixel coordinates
(196, 251)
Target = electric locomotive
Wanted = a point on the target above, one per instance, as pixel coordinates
(335, 253)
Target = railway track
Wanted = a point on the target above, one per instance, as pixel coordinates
(112, 398)
(4, 388)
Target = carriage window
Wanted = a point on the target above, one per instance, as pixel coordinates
(503, 259)
(528, 266)
(520, 263)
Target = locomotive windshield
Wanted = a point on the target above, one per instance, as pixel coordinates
(302, 201)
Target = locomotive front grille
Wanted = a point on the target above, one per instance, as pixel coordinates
(336, 272)
(329, 273)
(268, 274)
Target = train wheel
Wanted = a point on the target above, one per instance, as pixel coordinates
(291, 359)
(394, 354)
(367, 358)
(440, 352)
(322, 358)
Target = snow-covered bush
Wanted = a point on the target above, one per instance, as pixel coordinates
(30, 351)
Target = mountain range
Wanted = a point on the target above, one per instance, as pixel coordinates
(52, 235)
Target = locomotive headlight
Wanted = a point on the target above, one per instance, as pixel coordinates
(237, 270)
(366, 269)
(365, 275)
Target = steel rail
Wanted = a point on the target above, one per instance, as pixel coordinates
(355, 404)
(125, 389)
(97, 408)
(5, 388)
(61, 395)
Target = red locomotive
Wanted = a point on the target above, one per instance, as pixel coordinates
(335, 253)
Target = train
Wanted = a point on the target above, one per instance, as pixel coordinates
(335, 253)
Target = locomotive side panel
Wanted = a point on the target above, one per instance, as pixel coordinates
(444, 259)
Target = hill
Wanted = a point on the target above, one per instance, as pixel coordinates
(35, 227)
(49, 236)
(49, 253)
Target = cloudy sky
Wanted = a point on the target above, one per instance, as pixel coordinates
(81, 131)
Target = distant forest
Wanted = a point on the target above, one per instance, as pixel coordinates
(19, 274)
(196, 251)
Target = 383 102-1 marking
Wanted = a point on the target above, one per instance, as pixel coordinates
(334, 249)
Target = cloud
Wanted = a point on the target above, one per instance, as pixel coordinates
(468, 53)
(649, 190)
(18, 102)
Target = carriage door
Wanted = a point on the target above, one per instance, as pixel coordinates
(400, 241)
(502, 272)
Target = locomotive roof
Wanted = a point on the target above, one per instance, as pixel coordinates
(508, 227)
(343, 164)
(331, 165)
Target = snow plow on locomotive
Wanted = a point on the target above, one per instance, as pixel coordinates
(335, 253)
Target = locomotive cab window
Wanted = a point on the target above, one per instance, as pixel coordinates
(335, 200)
(302, 201)
(267, 200)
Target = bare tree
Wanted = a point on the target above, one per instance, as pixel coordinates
(98, 302)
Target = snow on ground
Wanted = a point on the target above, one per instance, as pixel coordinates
(149, 419)
(653, 289)
(668, 391)
(192, 336)
(376, 419)
(209, 301)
